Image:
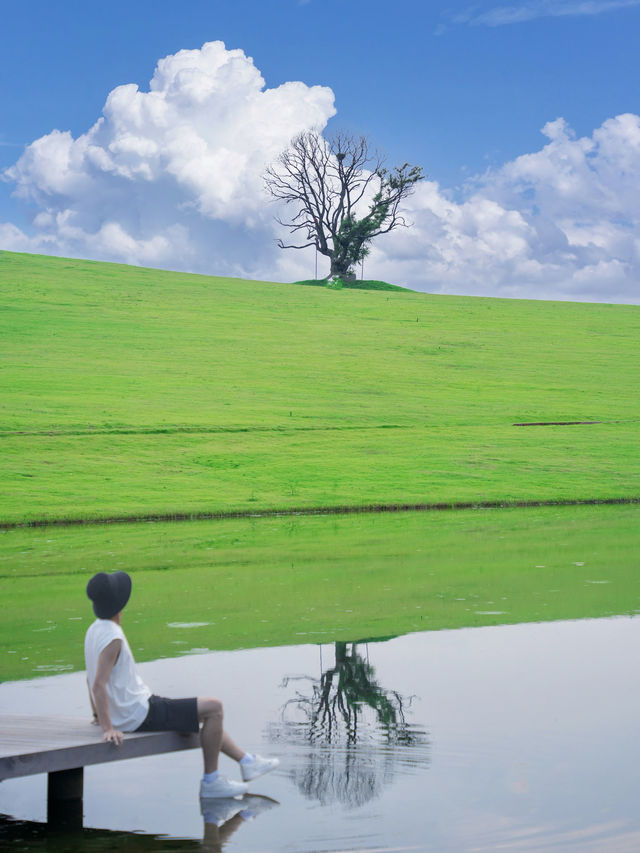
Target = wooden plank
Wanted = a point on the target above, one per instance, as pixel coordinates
(43, 744)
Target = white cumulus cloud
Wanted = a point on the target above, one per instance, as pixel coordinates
(561, 223)
(173, 177)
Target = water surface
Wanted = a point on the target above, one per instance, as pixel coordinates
(520, 737)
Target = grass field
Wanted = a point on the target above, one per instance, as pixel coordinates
(134, 392)
(283, 581)
(129, 391)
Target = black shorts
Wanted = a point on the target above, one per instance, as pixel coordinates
(171, 715)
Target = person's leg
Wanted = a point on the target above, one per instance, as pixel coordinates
(230, 748)
(214, 740)
(211, 733)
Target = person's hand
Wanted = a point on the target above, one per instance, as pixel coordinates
(113, 736)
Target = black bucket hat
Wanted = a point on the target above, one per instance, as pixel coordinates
(109, 593)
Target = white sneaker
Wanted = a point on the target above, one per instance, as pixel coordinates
(258, 767)
(222, 787)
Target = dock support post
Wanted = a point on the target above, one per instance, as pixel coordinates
(64, 798)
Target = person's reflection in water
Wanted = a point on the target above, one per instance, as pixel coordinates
(354, 731)
(223, 817)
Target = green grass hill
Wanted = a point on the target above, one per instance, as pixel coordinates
(130, 392)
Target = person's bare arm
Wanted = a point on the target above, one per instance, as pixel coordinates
(93, 707)
(106, 662)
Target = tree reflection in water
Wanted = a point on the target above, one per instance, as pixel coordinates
(351, 733)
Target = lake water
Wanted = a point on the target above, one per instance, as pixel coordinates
(522, 737)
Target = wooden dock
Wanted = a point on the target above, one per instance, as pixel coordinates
(63, 746)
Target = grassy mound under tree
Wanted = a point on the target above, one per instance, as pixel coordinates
(357, 284)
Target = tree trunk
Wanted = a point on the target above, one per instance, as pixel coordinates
(339, 268)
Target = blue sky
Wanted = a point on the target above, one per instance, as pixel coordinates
(455, 87)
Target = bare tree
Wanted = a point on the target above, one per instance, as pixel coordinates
(332, 183)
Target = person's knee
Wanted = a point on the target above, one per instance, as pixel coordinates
(209, 708)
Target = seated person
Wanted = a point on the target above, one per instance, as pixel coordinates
(122, 702)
